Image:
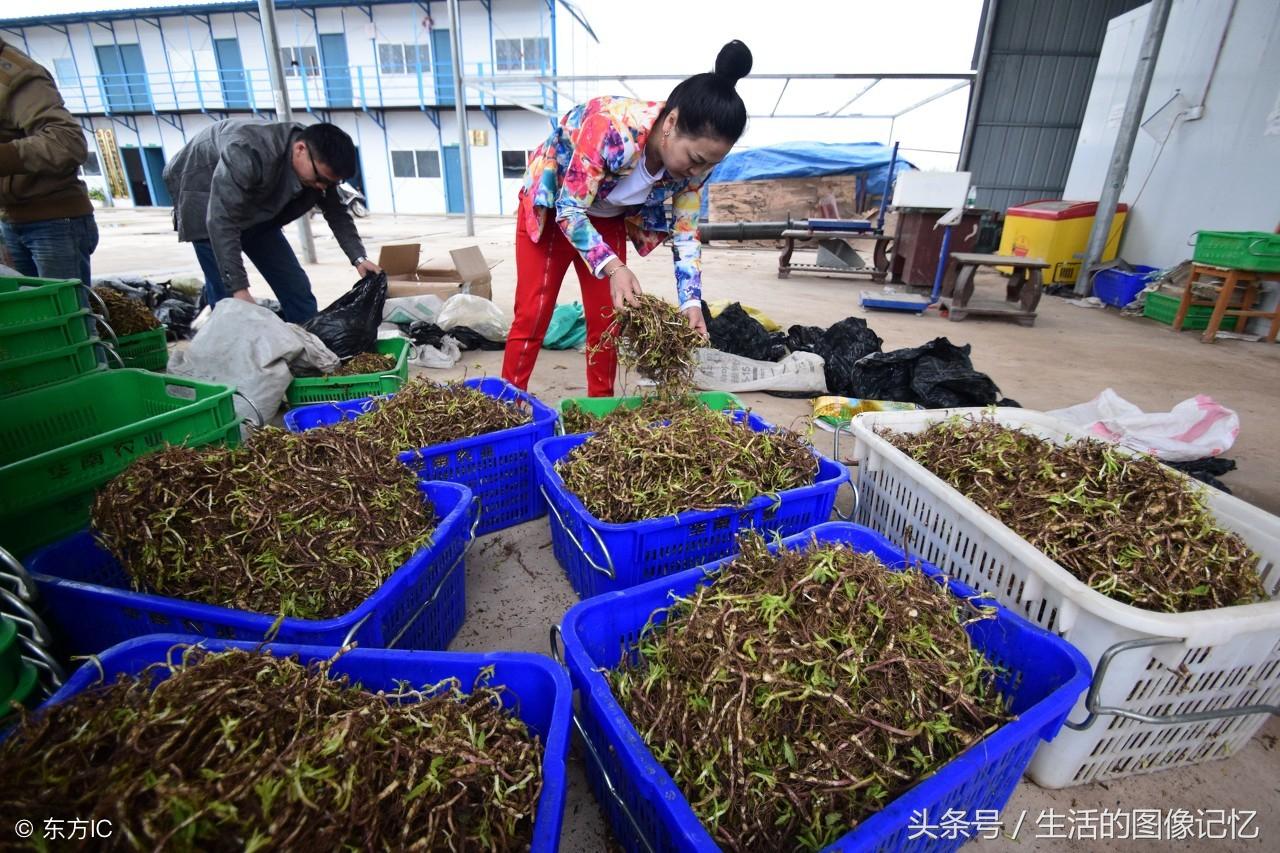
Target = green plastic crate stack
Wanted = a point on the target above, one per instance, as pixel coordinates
(47, 334)
(60, 443)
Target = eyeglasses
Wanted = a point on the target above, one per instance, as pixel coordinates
(319, 178)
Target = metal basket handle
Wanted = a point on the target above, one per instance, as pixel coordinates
(27, 587)
(17, 610)
(610, 788)
(1096, 709)
(262, 422)
(857, 499)
(39, 657)
(102, 321)
(102, 303)
(841, 427)
(557, 638)
(607, 571)
(111, 351)
(435, 593)
(1262, 241)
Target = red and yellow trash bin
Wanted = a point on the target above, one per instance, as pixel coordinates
(1058, 232)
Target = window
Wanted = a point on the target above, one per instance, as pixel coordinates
(513, 163)
(65, 71)
(91, 165)
(508, 51)
(536, 51)
(403, 58)
(428, 164)
(299, 61)
(415, 164)
(529, 54)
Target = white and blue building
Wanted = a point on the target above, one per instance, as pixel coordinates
(143, 81)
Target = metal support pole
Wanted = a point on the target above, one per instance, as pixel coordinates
(1118, 170)
(267, 9)
(981, 58)
(460, 105)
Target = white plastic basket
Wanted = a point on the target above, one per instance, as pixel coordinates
(1169, 689)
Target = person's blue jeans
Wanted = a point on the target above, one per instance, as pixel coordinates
(271, 253)
(52, 248)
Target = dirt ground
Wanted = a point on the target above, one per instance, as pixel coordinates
(516, 591)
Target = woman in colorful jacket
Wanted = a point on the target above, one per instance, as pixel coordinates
(605, 174)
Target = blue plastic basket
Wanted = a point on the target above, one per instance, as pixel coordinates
(497, 466)
(1119, 288)
(602, 557)
(87, 599)
(537, 692)
(1043, 675)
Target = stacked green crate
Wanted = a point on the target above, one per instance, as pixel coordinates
(47, 334)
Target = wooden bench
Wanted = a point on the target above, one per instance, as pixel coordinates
(1022, 293)
(1222, 307)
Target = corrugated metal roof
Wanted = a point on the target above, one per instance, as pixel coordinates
(1039, 71)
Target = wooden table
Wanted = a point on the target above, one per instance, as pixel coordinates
(1022, 293)
(1222, 307)
(876, 272)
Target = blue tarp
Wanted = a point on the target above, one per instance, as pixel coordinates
(806, 160)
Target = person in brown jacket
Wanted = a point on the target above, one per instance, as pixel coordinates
(46, 217)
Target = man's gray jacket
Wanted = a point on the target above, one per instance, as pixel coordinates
(236, 174)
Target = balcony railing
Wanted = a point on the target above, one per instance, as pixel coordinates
(249, 89)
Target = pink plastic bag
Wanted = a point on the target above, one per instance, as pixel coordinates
(1196, 428)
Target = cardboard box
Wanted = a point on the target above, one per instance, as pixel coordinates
(469, 273)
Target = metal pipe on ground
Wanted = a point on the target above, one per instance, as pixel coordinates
(740, 231)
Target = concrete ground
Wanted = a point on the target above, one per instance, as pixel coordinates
(516, 590)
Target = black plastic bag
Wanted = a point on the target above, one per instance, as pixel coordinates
(176, 315)
(945, 384)
(1207, 470)
(936, 375)
(350, 325)
(805, 338)
(467, 338)
(738, 333)
(425, 333)
(842, 347)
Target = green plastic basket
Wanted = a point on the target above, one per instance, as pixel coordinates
(325, 389)
(147, 350)
(601, 406)
(1163, 308)
(42, 336)
(38, 524)
(19, 375)
(1256, 251)
(57, 441)
(23, 688)
(31, 300)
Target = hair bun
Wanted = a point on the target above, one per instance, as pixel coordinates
(734, 61)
